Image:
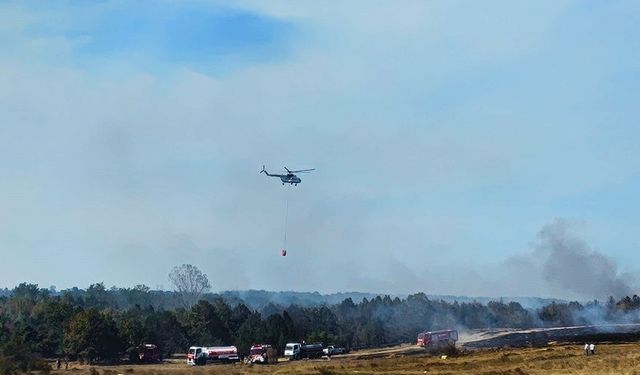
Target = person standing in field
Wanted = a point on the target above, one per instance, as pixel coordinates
(586, 349)
(592, 349)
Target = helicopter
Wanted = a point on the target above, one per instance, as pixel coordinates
(290, 177)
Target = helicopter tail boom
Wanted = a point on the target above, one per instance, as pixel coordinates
(264, 170)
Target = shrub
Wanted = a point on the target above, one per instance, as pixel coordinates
(326, 371)
(449, 350)
(21, 364)
(38, 364)
(6, 367)
(272, 355)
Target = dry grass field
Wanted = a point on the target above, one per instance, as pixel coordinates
(616, 359)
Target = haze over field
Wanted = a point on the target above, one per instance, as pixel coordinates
(462, 147)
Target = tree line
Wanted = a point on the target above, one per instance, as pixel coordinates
(100, 324)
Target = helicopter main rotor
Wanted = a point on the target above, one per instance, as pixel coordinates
(299, 171)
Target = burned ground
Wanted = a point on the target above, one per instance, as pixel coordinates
(541, 337)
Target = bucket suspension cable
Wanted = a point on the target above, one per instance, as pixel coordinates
(286, 220)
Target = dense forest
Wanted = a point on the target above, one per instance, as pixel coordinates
(101, 324)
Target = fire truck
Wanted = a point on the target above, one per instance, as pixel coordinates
(149, 353)
(259, 354)
(435, 339)
(200, 355)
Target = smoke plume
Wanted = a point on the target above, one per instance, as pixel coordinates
(571, 265)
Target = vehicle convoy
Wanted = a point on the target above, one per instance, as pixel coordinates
(200, 355)
(296, 350)
(435, 339)
(259, 354)
(333, 350)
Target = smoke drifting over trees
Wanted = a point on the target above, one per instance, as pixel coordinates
(559, 263)
(571, 264)
(110, 324)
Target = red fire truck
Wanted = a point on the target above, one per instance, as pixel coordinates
(259, 353)
(434, 339)
(200, 355)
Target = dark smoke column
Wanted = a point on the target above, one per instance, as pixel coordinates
(570, 264)
(190, 283)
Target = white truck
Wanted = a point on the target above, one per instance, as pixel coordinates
(200, 355)
(295, 350)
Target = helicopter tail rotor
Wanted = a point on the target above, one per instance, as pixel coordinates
(263, 169)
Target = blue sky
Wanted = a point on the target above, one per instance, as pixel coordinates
(445, 135)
